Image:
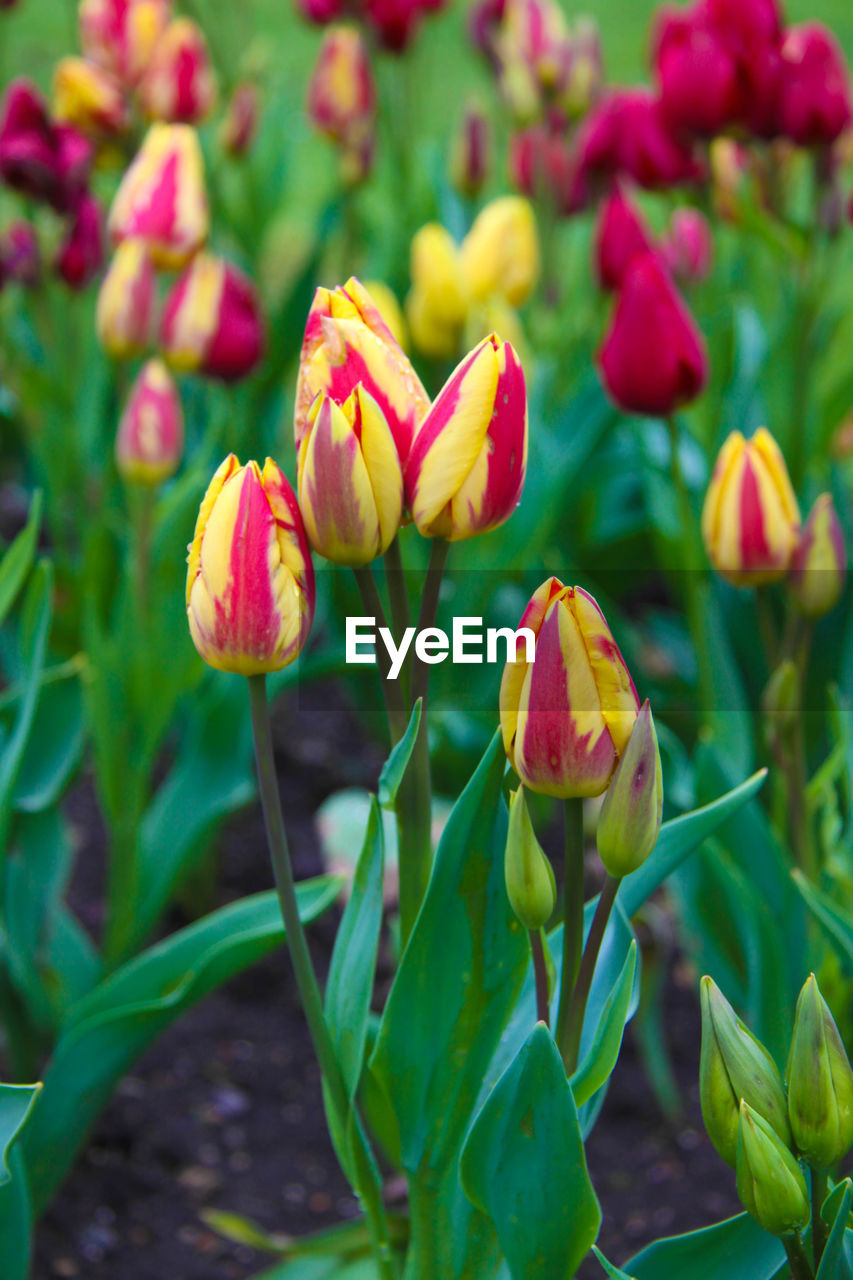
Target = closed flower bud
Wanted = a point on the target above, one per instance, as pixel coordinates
(620, 236)
(346, 342)
(389, 309)
(178, 83)
(20, 259)
(627, 133)
(29, 156)
(250, 582)
(466, 469)
(780, 704)
(81, 254)
(814, 107)
(469, 159)
(688, 249)
(530, 883)
(88, 98)
(212, 321)
(341, 93)
(734, 1065)
(770, 1183)
(538, 33)
(238, 129)
(438, 304)
(567, 717)
(653, 357)
(150, 440)
(582, 85)
(697, 72)
(350, 480)
(820, 1083)
(500, 254)
(120, 35)
(124, 315)
(630, 818)
(162, 198)
(819, 564)
(750, 520)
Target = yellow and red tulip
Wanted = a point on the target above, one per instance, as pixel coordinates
(87, 97)
(750, 520)
(341, 92)
(240, 124)
(500, 254)
(385, 300)
(350, 479)
(212, 321)
(467, 464)
(124, 314)
(250, 581)
(178, 83)
(346, 342)
(567, 717)
(819, 564)
(150, 439)
(120, 35)
(162, 197)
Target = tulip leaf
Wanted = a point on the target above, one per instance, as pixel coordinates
(394, 767)
(615, 1273)
(54, 746)
(16, 1106)
(107, 1030)
(523, 1164)
(600, 1058)
(342, 1239)
(835, 921)
(18, 557)
(322, 1269)
(736, 1248)
(833, 1265)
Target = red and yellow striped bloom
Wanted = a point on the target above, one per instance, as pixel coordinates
(567, 717)
(212, 321)
(150, 439)
(87, 97)
(162, 197)
(120, 35)
(467, 466)
(250, 582)
(819, 566)
(178, 83)
(350, 480)
(346, 342)
(341, 93)
(124, 315)
(750, 521)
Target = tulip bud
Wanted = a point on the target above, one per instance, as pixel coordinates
(212, 321)
(653, 358)
(341, 93)
(537, 33)
(250, 582)
(81, 254)
(820, 1083)
(466, 470)
(120, 35)
(567, 717)
(320, 11)
(630, 818)
(350, 480)
(88, 98)
(586, 68)
(530, 884)
(734, 1065)
(29, 160)
(770, 1183)
(162, 198)
(628, 133)
(697, 72)
(437, 305)
(780, 704)
(150, 439)
(178, 83)
(814, 107)
(750, 520)
(688, 249)
(346, 342)
(819, 564)
(500, 254)
(469, 157)
(20, 259)
(238, 129)
(124, 315)
(385, 301)
(620, 236)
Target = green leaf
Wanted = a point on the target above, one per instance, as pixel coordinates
(834, 919)
(523, 1164)
(108, 1030)
(737, 1249)
(395, 766)
(18, 559)
(16, 1106)
(53, 748)
(600, 1058)
(344, 1239)
(835, 1210)
(614, 1272)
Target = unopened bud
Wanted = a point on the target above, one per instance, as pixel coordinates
(780, 701)
(820, 1083)
(469, 160)
(630, 819)
(530, 883)
(819, 565)
(770, 1183)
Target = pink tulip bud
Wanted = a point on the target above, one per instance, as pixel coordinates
(469, 161)
(238, 129)
(814, 107)
(628, 133)
(124, 315)
(819, 565)
(20, 260)
(75, 155)
(212, 322)
(178, 84)
(29, 159)
(341, 93)
(653, 358)
(697, 72)
(120, 35)
(621, 234)
(162, 198)
(394, 21)
(88, 98)
(150, 439)
(688, 250)
(81, 254)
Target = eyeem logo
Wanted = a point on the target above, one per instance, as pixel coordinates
(465, 645)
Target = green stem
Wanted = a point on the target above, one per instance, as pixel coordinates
(394, 701)
(540, 974)
(797, 1260)
(820, 1231)
(306, 980)
(572, 910)
(429, 608)
(767, 627)
(570, 1048)
(395, 576)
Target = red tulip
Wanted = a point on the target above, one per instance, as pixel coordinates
(688, 250)
(621, 234)
(814, 106)
(81, 254)
(628, 133)
(212, 321)
(697, 72)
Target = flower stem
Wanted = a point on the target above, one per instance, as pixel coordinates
(572, 911)
(395, 576)
(394, 702)
(429, 608)
(577, 1009)
(540, 974)
(797, 1260)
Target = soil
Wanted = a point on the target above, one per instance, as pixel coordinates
(224, 1110)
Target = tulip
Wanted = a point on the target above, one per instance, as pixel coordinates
(814, 107)
(150, 440)
(124, 314)
(212, 321)
(750, 520)
(653, 358)
(538, 33)
(320, 11)
(341, 93)
(621, 235)
(81, 254)
(688, 250)
(88, 98)
(394, 21)
(466, 469)
(500, 254)
(770, 1183)
(733, 1065)
(438, 304)
(567, 717)
(162, 198)
(238, 129)
(697, 72)
(469, 161)
(820, 1083)
(29, 156)
(630, 818)
(178, 83)
(20, 259)
(346, 342)
(350, 480)
(628, 133)
(250, 581)
(530, 884)
(385, 301)
(120, 35)
(819, 564)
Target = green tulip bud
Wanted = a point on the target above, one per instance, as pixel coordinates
(770, 1183)
(530, 883)
(734, 1065)
(629, 822)
(820, 1083)
(780, 703)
